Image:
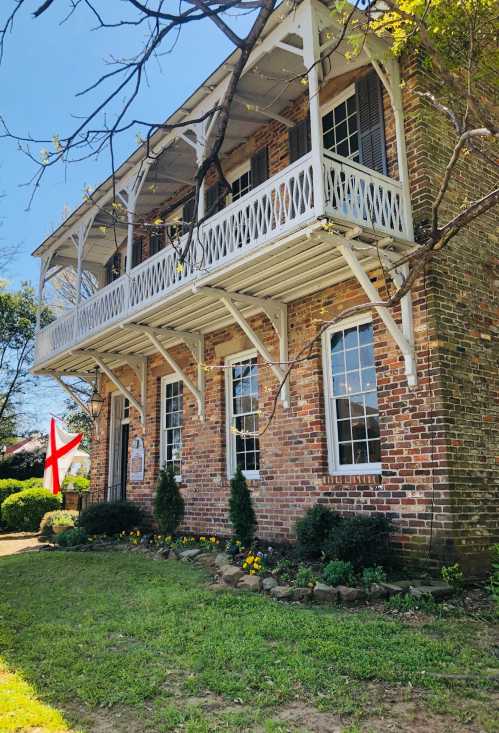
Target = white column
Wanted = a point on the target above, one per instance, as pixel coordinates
(311, 54)
(41, 285)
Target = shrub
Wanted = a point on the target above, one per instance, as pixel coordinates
(241, 512)
(72, 537)
(338, 572)
(60, 516)
(111, 517)
(284, 570)
(79, 483)
(24, 510)
(313, 528)
(168, 502)
(373, 576)
(362, 540)
(453, 576)
(33, 483)
(23, 465)
(10, 486)
(305, 578)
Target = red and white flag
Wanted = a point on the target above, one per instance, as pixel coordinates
(60, 453)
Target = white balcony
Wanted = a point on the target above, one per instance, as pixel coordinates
(261, 227)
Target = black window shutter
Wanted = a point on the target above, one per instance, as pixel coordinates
(214, 198)
(371, 122)
(299, 140)
(259, 167)
(136, 252)
(187, 215)
(156, 241)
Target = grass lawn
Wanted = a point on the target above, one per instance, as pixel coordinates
(118, 642)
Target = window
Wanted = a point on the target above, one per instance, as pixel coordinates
(156, 240)
(351, 398)
(113, 268)
(171, 424)
(241, 185)
(137, 252)
(242, 415)
(340, 126)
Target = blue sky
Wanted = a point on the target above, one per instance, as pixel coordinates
(45, 65)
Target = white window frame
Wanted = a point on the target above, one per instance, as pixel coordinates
(231, 438)
(335, 468)
(236, 173)
(334, 102)
(168, 379)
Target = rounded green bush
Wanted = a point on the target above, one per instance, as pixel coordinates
(10, 486)
(24, 510)
(80, 483)
(62, 516)
(111, 517)
(313, 528)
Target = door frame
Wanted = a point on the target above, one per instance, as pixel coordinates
(124, 419)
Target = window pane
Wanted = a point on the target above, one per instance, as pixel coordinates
(371, 400)
(345, 453)
(353, 382)
(352, 359)
(337, 342)
(339, 384)
(360, 453)
(368, 379)
(342, 409)
(351, 338)
(366, 356)
(359, 429)
(344, 430)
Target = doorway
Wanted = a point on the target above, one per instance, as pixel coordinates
(118, 448)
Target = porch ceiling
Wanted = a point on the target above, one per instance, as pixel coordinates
(303, 263)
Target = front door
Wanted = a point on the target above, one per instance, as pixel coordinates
(118, 448)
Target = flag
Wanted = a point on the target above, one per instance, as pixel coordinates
(60, 453)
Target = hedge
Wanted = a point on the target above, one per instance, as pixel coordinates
(25, 509)
(111, 517)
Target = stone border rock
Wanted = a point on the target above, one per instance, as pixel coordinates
(229, 576)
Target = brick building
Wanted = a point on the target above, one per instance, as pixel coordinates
(332, 175)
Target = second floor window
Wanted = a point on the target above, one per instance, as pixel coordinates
(137, 252)
(113, 268)
(156, 240)
(340, 128)
(241, 185)
(172, 411)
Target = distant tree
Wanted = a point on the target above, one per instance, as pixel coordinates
(79, 421)
(17, 329)
(241, 512)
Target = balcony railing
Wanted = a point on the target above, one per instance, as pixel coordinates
(276, 207)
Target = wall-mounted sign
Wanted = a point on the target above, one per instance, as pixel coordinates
(137, 460)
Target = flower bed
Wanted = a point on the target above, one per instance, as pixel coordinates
(272, 570)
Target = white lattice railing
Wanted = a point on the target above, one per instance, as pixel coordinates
(282, 203)
(362, 196)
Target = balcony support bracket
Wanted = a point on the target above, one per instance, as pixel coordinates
(276, 312)
(404, 338)
(195, 344)
(119, 385)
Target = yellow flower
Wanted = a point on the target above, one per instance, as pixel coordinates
(180, 267)
(202, 539)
